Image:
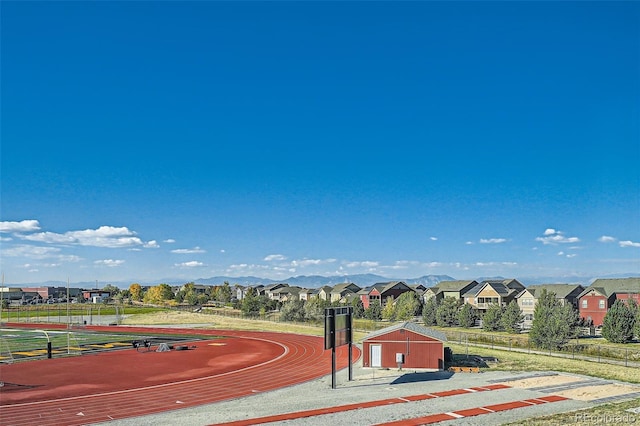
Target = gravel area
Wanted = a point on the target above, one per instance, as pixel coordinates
(373, 385)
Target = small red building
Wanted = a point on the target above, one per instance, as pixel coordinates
(595, 300)
(406, 345)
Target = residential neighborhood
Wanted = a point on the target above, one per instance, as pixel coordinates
(591, 302)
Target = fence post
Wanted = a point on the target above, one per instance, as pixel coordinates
(626, 357)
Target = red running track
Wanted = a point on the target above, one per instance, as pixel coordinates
(126, 383)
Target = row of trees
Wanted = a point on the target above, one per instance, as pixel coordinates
(163, 294)
(451, 312)
(554, 323)
(405, 307)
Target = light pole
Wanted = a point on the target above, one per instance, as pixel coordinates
(1, 297)
(68, 321)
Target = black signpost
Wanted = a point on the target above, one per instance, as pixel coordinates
(337, 332)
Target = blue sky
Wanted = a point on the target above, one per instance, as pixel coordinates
(152, 140)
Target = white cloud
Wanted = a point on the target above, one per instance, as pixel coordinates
(151, 244)
(104, 236)
(191, 264)
(469, 243)
(433, 238)
(273, 257)
(308, 262)
(40, 253)
(628, 244)
(109, 262)
(361, 264)
(22, 226)
(222, 250)
(607, 239)
(188, 251)
(492, 240)
(33, 252)
(245, 268)
(551, 236)
(169, 241)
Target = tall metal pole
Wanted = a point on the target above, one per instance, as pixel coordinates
(1, 297)
(333, 367)
(68, 321)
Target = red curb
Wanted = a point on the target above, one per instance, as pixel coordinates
(435, 418)
(508, 406)
(471, 412)
(349, 407)
(553, 398)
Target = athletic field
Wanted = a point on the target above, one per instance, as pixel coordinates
(19, 344)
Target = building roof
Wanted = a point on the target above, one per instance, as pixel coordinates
(454, 285)
(511, 283)
(610, 286)
(561, 290)
(411, 326)
(338, 288)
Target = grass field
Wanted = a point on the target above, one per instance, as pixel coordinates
(24, 345)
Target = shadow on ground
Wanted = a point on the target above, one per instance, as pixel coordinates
(422, 377)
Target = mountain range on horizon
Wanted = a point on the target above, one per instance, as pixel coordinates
(316, 281)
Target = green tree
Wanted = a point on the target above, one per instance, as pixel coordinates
(223, 293)
(618, 324)
(314, 309)
(429, 311)
(553, 324)
(467, 316)
(491, 320)
(202, 299)
(180, 294)
(165, 292)
(636, 328)
(112, 289)
(191, 298)
(358, 308)
(447, 312)
(389, 310)
(374, 311)
(407, 306)
(512, 318)
(250, 305)
(293, 310)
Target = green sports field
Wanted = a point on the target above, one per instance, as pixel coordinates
(23, 345)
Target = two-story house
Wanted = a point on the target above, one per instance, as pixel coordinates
(342, 292)
(382, 292)
(488, 292)
(527, 298)
(595, 300)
